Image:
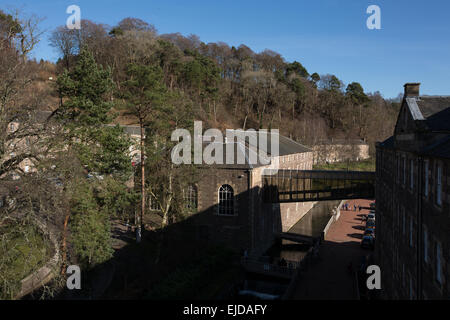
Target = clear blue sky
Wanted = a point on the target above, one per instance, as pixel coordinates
(326, 36)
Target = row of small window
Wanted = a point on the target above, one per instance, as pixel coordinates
(437, 254)
(190, 197)
(287, 158)
(402, 176)
(410, 282)
(426, 252)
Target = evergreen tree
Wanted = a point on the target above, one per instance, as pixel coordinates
(86, 113)
(144, 91)
(356, 93)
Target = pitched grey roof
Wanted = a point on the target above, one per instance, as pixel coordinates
(334, 141)
(241, 156)
(434, 111)
(289, 146)
(286, 145)
(246, 149)
(439, 121)
(414, 109)
(430, 105)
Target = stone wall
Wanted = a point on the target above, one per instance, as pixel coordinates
(330, 153)
(233, 230)
(275, 218)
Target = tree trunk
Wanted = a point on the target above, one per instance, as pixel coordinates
(64, 246)
(141, 217)
(245, 121)
(215, 112)
(165, 220)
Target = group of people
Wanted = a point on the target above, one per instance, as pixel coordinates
(346, 207)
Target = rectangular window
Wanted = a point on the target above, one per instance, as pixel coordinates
(410, 287)
(403, 275)
(403, 221)
(438, 263)
(426, 167)
(404, 171)
(425, 244)
(439, 185)
(411, 177)
(410, 231)
(398, 169)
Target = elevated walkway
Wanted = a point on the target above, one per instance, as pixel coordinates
(314, 185)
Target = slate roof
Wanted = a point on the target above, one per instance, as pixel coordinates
(434, 111)
(286, 145)
(430, 105)
(334, 141)
(243, 157)
(289, 146)
(246, 149)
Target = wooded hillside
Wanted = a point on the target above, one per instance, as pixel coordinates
(234, 87)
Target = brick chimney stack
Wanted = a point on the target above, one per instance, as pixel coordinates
(412, 89)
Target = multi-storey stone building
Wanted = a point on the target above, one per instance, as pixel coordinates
(413, 200)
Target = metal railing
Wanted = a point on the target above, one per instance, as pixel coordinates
(274, 269)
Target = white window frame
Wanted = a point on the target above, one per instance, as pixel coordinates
(411, 178)
(439, 275)
(190, 197)
(439, 185)
(404, 171)
(225, 201)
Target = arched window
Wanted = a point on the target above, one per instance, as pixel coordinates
(153, 204)
(226, 200)
(190, 197)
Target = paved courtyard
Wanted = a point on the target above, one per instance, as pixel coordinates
(329, 277)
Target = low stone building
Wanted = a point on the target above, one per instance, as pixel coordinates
(331, 151)
(413, 200)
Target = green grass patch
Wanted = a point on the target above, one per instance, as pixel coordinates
(23, 250)
(364, 165)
